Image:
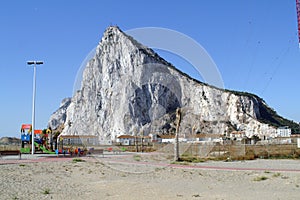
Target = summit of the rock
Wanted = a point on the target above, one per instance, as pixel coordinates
(113, 34)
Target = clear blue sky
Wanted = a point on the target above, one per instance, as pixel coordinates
(254, 44)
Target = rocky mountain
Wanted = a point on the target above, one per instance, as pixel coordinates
(59, 116)
(10, 141)
(128, 89)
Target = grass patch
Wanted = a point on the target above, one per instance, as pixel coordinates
(192, 159)
(180, 163)
(196, 195)
(137, 157)
(284, 177)
(22, 165)
(282, 156)
(276, 174)
(157, 169)
(75, 160)
(260, 178)
(46, 191)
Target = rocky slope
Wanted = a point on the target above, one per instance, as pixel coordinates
(10, 141)
(59, 116)
(128, 89)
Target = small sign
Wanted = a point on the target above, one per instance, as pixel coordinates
(26, 126)
(298, 142)
(38, 131)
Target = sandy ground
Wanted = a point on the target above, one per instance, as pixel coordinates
(146, 176)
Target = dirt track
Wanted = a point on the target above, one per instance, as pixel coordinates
(148, 177)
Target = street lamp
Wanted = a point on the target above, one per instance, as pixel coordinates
(34, 63)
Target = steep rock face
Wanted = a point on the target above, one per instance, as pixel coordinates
(128, 89)
(59, 116)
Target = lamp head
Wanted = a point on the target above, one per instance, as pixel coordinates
(30, 62)
(35, 62)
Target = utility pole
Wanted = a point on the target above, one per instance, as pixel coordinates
(176, 145)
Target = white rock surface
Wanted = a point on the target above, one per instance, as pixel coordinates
(59, 116)
(129, 89)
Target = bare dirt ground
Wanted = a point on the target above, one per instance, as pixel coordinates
(146, 176)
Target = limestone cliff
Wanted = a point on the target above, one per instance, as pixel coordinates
(128, 89)
(59, 116)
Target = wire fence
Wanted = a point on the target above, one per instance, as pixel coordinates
(9, 147)
(242, 151)
(213, 150)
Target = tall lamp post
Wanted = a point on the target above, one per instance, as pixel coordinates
(34, 63)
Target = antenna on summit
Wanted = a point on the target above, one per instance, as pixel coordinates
(298, 19)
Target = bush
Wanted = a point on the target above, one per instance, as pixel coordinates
(75, 160)
(137, 157)
(260, 178)
(46, 191)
